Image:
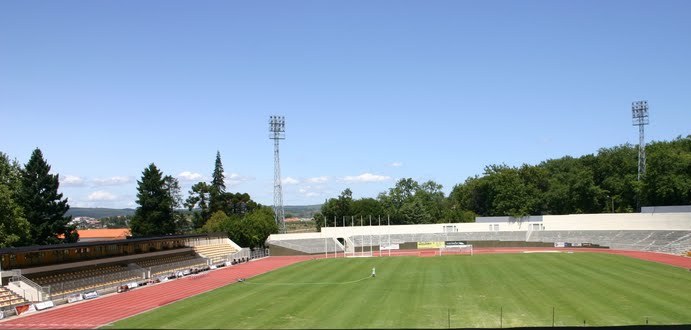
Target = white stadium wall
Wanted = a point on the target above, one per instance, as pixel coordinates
(619, 221)
(583, 222)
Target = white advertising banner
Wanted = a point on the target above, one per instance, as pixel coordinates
(91, 295)
(389, 247)
(74, 298)
(44, 305)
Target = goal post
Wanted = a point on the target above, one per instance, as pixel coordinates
(456, 250)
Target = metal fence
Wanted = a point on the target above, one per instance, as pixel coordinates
(175, 266)
(41, 292)
(61, 290)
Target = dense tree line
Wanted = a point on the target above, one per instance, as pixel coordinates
(32, 211)
(594, 183)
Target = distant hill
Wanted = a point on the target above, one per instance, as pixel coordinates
(300, 211)
(97, 212)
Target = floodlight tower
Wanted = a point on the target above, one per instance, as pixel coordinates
(277, 131)
(639, 109)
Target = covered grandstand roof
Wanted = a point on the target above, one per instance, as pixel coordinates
(95, 243)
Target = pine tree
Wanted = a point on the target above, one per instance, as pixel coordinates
(14, 229)
(217, 190)
(43, 206)
(218, 180)
(154, 216)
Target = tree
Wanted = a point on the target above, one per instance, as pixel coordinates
(238, 203)
(218, 222)
(199, 198)
(217, 189)
(365, 207)
(667, 180)
(14, 229)
(335, 209)
(43, 206)
(258, 225)
(432, 198)
(414, 212)
(250, 230)
(155, 214)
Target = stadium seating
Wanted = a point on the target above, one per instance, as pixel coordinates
(215, 252)
(9, 298)
(667, 241)
(172, 264)
(310, 245)
(85, 279)
(675, 242)
(158, 261)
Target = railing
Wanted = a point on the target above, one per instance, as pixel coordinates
(41, 292)
(62, 289)
(243, 253)
(259, 253)
(171, 267)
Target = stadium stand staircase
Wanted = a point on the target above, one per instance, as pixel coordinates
(9, 298)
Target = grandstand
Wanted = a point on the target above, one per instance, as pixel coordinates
(216, 250)
(57, 272)
(665, 232)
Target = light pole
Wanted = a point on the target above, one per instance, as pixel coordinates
(612, 197)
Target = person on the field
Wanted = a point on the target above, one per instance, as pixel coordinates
(374, 272)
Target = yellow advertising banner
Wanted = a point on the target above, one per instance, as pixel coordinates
(430, 245)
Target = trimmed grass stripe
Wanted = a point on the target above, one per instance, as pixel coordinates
(411, 292)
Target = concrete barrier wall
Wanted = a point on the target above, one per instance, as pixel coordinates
(625, 221)
(607, 221)
(25, 291)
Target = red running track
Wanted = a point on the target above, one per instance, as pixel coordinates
(108, 309)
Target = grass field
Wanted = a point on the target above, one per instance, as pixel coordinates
(438, 292)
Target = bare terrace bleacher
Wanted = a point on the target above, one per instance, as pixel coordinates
(216, 249)
(672, 241)
(305, 246)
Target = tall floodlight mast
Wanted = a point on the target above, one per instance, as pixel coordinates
(639, 109)
(277, 131)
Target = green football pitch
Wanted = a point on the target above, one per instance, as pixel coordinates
(508, 290)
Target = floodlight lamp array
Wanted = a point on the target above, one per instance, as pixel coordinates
(639, 112)
(277, 126)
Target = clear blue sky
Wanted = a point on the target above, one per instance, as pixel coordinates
(372, 91)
